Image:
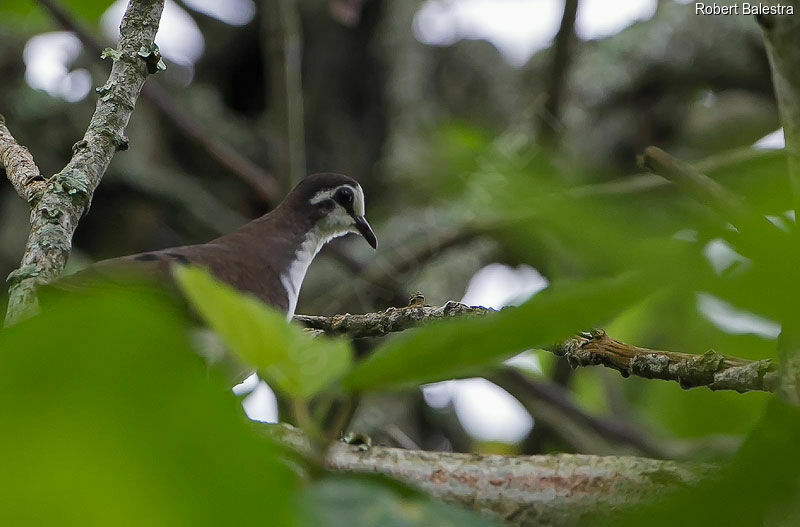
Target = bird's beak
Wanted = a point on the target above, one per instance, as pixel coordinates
(366, 231)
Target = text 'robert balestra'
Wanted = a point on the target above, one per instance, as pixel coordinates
(742, 9)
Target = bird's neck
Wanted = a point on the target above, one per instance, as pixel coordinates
(292, 278)
(285, 245)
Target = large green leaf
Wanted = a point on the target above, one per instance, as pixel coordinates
(283, 354)
(110, 418)
(459, 347)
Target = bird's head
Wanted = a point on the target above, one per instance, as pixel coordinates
(335, 204)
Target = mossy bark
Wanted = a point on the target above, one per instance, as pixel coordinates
(59, 205)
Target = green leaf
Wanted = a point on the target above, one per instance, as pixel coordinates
(760, 486)
(352, 501)
(110, 418)
(293, 361)
(89, 10)
(459, 347)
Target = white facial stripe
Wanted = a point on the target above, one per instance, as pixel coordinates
(323, 195)
(358, 202)
(358, 197)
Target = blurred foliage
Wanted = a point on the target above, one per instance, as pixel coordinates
(761, 486)
(116, 420)
(109, 417)
(662, 234)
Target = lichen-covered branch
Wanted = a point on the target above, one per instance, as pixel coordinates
(712, 370)
(389, 321)
(20, 167)
(66, 195)
(261, 182)
(556, 489)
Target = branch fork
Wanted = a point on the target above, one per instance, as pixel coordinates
(59, 202)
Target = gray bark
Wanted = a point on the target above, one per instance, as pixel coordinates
(559, 489)
(58, 205)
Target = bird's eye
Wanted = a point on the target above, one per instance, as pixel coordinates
(344, 196)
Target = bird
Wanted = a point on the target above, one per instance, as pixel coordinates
(267, 257)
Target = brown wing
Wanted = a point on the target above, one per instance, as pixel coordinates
(145, 267)
(225, 262)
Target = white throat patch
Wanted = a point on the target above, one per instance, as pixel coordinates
(336, 223)
(292, 279)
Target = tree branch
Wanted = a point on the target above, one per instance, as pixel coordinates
(282, 47)
(391, 320)
(753, 228)
(552, 490)
(67, 195)
(712, 370)
(549, 119)
(263, 184)
(176, 187)
(252, 175)
(645, 182)
(20, 168)
(692, 181)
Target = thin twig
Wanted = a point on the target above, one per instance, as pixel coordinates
(282, 48)
(712, 370)
(67, 194)
(255, 177)
(645, 182)
(754, 229)
(694, 182)
(550, 116)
